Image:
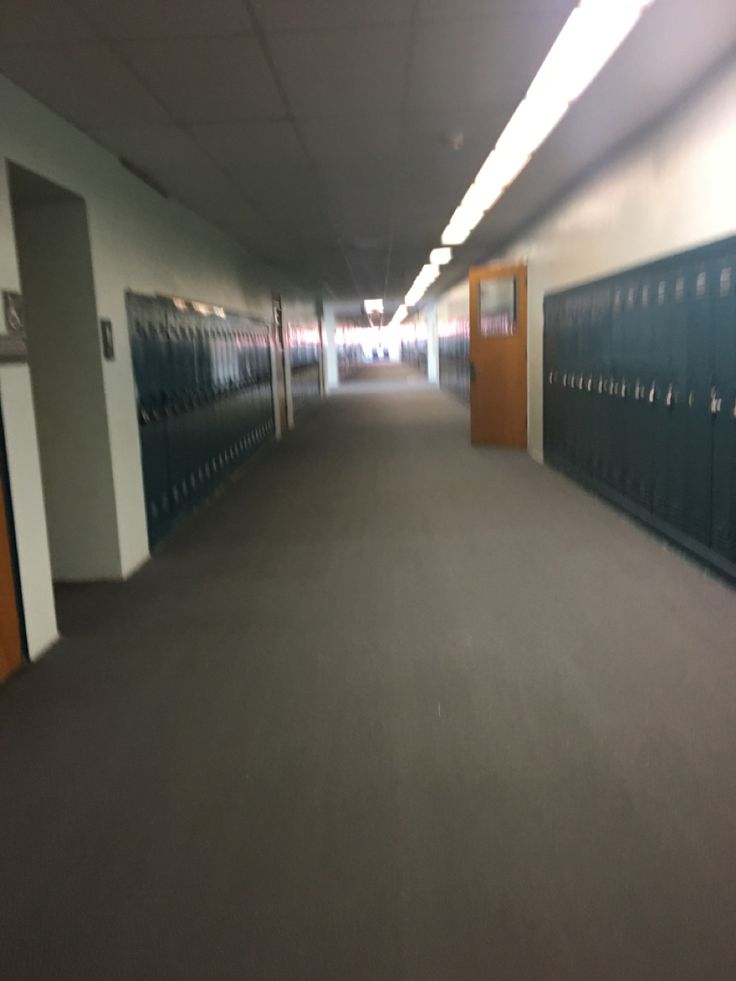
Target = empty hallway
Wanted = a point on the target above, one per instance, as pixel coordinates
(389, 707)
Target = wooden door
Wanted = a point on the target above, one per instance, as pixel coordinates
(10, 637)
(498, 355)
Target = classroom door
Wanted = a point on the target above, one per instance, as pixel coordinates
(498, 355)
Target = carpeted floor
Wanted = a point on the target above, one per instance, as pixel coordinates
(391, 708)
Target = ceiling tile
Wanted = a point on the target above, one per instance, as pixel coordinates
(125, 19)
(30, 21)
(330, 73)
(349, 138)
(464, 9)
(468, 63)
(268, 162)
(82, 82)
(286, 15)
(210, 80)
(261, 151)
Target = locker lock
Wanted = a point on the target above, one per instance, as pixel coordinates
(669, 399)
(715, 402)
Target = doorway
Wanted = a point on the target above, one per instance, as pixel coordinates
(498, 313)
(66, 368)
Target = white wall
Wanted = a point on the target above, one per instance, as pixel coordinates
(139, 241)
(674, 190)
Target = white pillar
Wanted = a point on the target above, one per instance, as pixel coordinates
(333, 373)
(433, 345)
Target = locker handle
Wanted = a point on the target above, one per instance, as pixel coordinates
(652, 395)
(715, 402)
(669, 399)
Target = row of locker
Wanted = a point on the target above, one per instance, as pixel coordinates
(454, 358)
(415, 353)
(640, 394)
(349, 359)
(203, 388)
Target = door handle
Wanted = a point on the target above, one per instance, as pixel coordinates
(472, 371)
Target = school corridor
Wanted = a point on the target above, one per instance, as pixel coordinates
(389, 708)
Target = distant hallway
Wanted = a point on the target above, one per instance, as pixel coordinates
(390, 708)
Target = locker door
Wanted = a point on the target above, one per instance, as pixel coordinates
(698, 421)
(601, 372)
(614, 473)
(644, 369)
(154, 433)
(633, 447)
(722, 273)
(672, 397)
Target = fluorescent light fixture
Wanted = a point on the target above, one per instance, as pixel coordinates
(426, 276)
(399, 316)
(373, 306)
(440, 257)
(592, 33)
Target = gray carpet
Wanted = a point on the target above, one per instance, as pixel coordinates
(390, 707)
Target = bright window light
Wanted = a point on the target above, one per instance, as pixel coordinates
(440, 257)
(373, 306)
(593, 32)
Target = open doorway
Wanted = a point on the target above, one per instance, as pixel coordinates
(64, 353)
